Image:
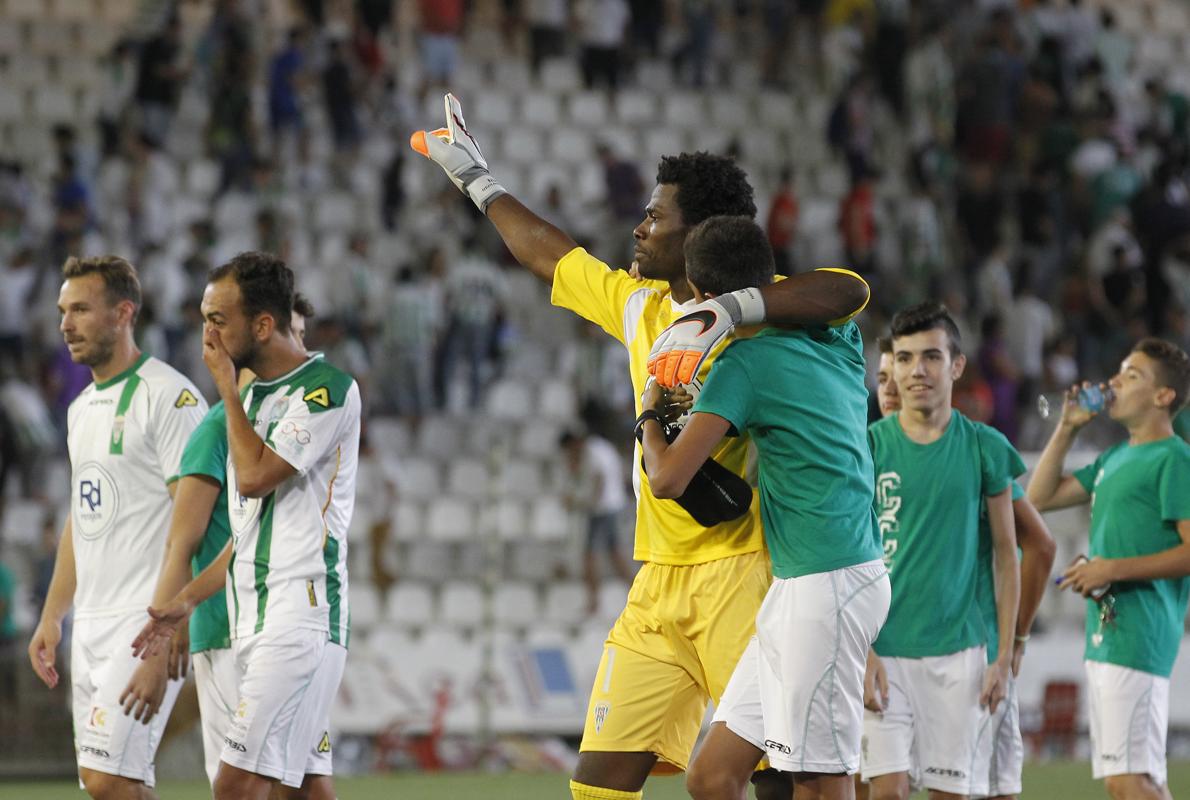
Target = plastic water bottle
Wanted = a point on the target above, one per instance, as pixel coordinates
(1090, 398)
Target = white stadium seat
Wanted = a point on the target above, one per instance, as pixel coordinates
(450, 519)
(509, 400)
(516, 605)
(685, 110)
(566, 603)
(588, 109)
(460, 604)
(365, 606)
(613, 595)
(519, 478)
(550, 520)
(468, 477)
(440, 437)
(508, 518)
(410, 605)
(540, 110)
(419, 477)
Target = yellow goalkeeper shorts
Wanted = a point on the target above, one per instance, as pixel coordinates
(673, 648)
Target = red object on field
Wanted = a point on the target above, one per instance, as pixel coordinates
(1059, 720)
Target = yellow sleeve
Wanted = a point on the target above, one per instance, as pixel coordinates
(596, 292)
(844, 320)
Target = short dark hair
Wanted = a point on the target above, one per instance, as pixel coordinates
(120, 280)
(926, 316)
(884, 344)
(302, 305)
(728, 253)
(708, 186)
(1173, 367)
(266, 285)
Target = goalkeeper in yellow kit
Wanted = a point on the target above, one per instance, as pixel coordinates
(692, 607)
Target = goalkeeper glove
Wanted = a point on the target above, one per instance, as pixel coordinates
(455, 150)
(680, 350)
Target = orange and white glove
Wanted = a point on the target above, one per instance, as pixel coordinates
(455, 150)
(681, 348)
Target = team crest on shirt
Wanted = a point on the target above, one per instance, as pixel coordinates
(186, 398)
(243, 513)
(600, 713)
(96, 501)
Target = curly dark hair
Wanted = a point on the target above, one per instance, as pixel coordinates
(266, 285)
(926, 316)
(728, 253)
(708, 186)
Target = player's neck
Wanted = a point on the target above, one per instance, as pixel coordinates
(123, 357)
(925, 426)
(280, 357)
(680, 291)
(1153, 428)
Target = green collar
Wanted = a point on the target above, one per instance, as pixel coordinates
(110, 382)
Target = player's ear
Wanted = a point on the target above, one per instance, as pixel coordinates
(957, 366)
(1164, 397)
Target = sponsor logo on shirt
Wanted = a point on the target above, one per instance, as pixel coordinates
(946, 772)
(299, 435)
(319, 396)
(324, 744)
(97, 503)
(234, 745)
(95, 751)
(186, 398)
(243, 513)
(888, 504)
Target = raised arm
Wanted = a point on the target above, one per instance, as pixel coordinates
(822, 297)
(535, 243)
(1049, 489)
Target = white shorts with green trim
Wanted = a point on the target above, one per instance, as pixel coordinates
(287, 683)
(217, 681)
(933, 723)
(797, 692)
(1129, 714)
(101, 663)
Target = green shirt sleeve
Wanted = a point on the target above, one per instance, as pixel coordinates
(728, 390)
(206, 449)
(1086, 475)
(999, 461)
(1017, 491)
(1172, 493)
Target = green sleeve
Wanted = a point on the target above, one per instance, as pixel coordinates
(1086, 475)
(999, 460)
(206, 449)
(1017, 491)
(728, 391)
(1172, 493)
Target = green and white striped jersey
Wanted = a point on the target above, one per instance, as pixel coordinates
(289, 565)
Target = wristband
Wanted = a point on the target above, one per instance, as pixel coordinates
(744, 306)
(645, 416)
(484, 190)
(1022, 638)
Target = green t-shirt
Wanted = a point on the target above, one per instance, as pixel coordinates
(206, 454)
(8, 625)
(802, 398)
(1138, 495)
(1181, 424)
(928, 501)
(987, 576)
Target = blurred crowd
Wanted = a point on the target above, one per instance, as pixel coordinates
(1008, 158)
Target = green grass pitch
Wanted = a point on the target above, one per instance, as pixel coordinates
(1053, 781)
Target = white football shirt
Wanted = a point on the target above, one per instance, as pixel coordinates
(289, 567)
(126, 437)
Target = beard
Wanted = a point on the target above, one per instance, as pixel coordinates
(246, 357)
(102, 348)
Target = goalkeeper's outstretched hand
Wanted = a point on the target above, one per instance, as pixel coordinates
(681, 348)
(455, 150)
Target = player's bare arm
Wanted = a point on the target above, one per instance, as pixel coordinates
(671, 467)
(165, 620)
(1049, 489)
(43, 648)
(1037, 560)
(1006, 573)
(535, 243)
(1085, 576)
(259, 470)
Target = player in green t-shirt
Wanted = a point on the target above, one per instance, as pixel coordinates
(796, 694)
(1136, 579)
(934, 471)
(1001, 752)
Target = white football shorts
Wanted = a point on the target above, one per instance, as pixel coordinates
(1001, 750)
(797, 691)
(218, 681)
(1129, 713)
(101, 663)
(933, 723)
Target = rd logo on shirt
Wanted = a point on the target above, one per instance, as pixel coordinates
(96, 501)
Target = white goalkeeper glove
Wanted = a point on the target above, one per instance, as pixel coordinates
(681, 348)
(457, 152)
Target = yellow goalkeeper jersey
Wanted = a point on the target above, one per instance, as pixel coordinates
(635, 312)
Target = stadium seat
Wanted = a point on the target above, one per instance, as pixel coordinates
(365, 606)
(409, 605)
(516, 605)
(509, 400)
(439, 437)
(566, 603)
(588, 109)
(461, 604)
(24, 9)
(613, 595)
(519, 478)
(430, 560)
(446, 665)
(557, 401)
(551, 521)
(508, 518)
(530, 560)
(202, 178)
(450, 519)
(235, 212)
(586, 650)
(389, 435)
(469, 478)
(540, 441)
(634, 107)
(12, 37)
(419, 478)
(685, 110)
(336, 212)
(732, 111)
(545, 175)
(525, 147)
(52, 37)
(561, 75)
(540, 110)
(658, 142)
(407, 521)
(21, 522)
(12, 105)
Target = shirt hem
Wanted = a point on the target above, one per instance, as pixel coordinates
(1149, 669)
(692, 559)
(829, 566)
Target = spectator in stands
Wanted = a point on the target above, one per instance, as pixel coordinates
(1113, 48)
(411, 324)
(440, 28)
(338, 88)
(231, 130)
(648, 21)
(782, 222)
(602, 25)
(777, 23)
(1001, 373)
(692, 58)
(988, 87)
(622, 180)
(851, 127)
(392, 191)
(979, 210)
(595, 487)
(857, 224)
(8, 636)
(159, 79)
(118, 83)
(474, 300)
(287, 77)
(352, 293)
(547, 30)
(1029, 325)
(19, 282)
